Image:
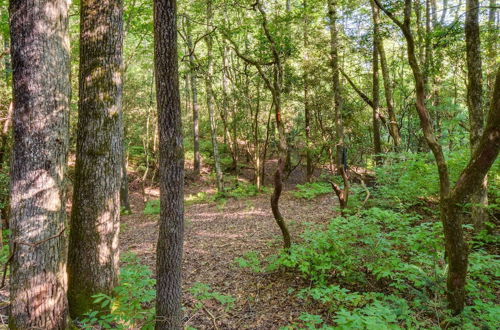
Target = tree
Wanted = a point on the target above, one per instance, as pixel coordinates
(93, 254)
(170, 238)
(471, 177)
(336, 87)
(377, 143)
(210, 104)
(475, 102)
(41, 90)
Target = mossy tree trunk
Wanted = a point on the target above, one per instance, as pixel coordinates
(95, 218)
(41, 91)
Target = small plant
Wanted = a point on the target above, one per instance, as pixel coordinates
(251, 261)
(152, 207)
(131, 305)
(203, 292)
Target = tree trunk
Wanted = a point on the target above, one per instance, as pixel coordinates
(393, 123)
(194, 95)
(170, 237)
(336, 88)
(124, 194)
(377, 144)
(307, 110)
(208, 82)
(4, 140)
(479, 199)
(93, 253)
(41, 91)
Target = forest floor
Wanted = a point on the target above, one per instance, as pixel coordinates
(216, 234)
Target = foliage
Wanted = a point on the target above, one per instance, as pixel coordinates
(312, 189)
(251, 261)
(152, 207)
(203, 292)
(131, 305)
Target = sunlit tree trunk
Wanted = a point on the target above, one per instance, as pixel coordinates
(170, 237)
(41, 91)
(93, 254)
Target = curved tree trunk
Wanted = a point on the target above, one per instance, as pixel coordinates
(41, 90)
(171, 232)
(95, 219)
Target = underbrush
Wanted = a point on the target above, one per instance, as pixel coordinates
(384, 267)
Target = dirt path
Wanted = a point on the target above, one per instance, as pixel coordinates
(215, 236)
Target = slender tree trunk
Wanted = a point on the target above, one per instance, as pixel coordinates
(170, 237)
(307, 110)
(211, 112)
(4, 140)
(194, 95)
(41, 92)
(475, 103)
(124, 193)
(377, 144)
(336, 87)
(393, 122)
(95, 217)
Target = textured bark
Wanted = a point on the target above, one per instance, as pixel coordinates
(41, 91)
(170, 237)
(336, 87)
(210, 97)
(475, 103)
(194, 95)
(377, 144)
(95, 218)
(342, 194)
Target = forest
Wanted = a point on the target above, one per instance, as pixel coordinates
(249, 164)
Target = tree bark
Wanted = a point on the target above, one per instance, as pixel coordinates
(41, 92)
(93, 254)
(170, 237)
(307, 107)
(479, 199)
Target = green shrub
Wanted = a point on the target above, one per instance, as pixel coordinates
(312, 189)
(131, 305)
(152, 207)
(203, 292)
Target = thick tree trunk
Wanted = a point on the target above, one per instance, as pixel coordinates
(336, 88)
(41, 91)
(93, 254)
(170, 237)
(194, 95)
(479, 199)
(210, 106)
